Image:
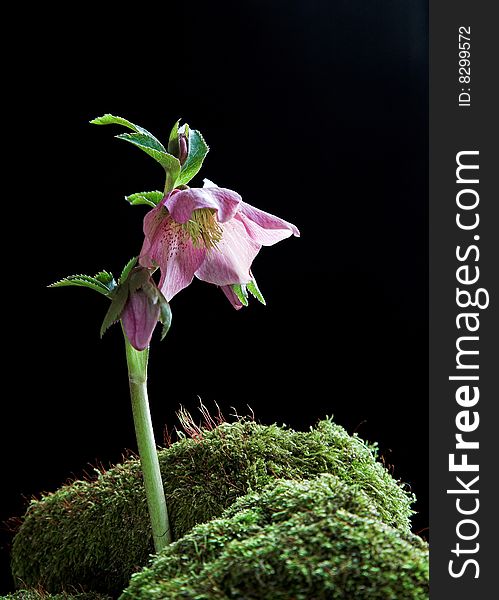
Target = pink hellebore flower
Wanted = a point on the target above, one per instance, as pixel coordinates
(208, 232)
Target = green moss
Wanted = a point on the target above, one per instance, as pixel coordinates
(315, 539)
(39, 595)
(95, 534)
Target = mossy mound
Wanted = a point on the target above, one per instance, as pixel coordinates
(95, 534)
(38, 595)
(316, 539)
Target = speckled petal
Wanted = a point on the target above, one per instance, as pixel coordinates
(171, 248)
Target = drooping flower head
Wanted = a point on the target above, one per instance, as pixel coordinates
(209, 233)
(205, 232)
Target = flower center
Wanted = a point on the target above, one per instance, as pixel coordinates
(203, 228)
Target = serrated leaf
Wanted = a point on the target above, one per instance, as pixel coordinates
(82, 281)
(254, 290)
(241, 293)
(198, 149)
(104, 277)
(152, 140)
(147, 198)
(107, 279)
(144, 142)
(108, 119)
(165, 317)
(127, 268)
(113, 314)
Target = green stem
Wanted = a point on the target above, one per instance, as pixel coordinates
(169, 183)
(137, 375)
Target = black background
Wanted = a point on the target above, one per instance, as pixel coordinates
(315, 111)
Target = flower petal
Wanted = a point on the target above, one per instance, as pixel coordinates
(139, 318)
(170, 247)
(230, 261)
(233, 299)
(264, 228)
(182, 203)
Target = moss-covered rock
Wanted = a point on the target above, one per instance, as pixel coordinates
(316, 539)
(39, 595)
(96, 533)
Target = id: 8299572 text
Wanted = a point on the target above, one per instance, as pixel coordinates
(464, 73)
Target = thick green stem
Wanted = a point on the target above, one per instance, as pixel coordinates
(169, 183)
(137, 375)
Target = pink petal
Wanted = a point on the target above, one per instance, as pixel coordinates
(171, 248)
(233, 299)
(139, 319)
(264, 228)
(182, 203)
(230, 261)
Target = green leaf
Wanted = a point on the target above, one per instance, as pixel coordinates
(148, 198)
(173, 139)
(104, 277)
(138, 279)
(165, 317)
(92, 283)
(255, 291)
(108, 119)
(107, 279)
(144, 141)
(198, 149)
(127, 268)
(149, 146)
(174, 132)
(241, 293)
(118, 301)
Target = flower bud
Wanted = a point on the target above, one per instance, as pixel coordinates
(139, 304)
(178, 145)
(139, 318)
(183, 144)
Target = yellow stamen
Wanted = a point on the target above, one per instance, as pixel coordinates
(203, 228)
